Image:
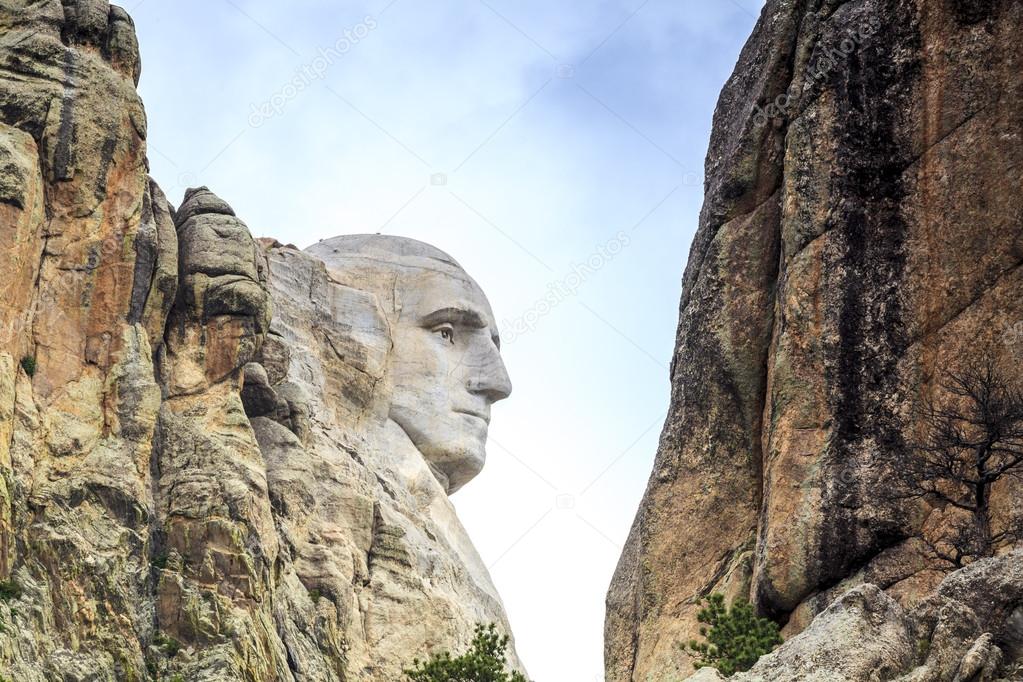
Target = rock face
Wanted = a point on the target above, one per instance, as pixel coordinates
(861, 233)
(192, 486)
(953, 635)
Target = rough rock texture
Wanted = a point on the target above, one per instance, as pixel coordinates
(173, 503)
(956, 634)
(862, 231)
(79, 397)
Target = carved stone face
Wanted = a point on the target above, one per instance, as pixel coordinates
(445, 368)
(446, 372)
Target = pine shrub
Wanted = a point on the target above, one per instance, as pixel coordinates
(484, 662)
(735, 636)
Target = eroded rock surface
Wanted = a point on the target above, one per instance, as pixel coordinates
(200, 478)
(954, 634)
(861, 234)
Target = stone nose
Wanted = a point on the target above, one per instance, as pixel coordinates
(491, 381)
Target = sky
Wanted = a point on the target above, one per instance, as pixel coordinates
(555, 148)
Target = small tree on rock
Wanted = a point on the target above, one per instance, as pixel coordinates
(973, 440)
(736, 636)
(485, 661)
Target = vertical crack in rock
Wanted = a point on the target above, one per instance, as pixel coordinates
(145, 260)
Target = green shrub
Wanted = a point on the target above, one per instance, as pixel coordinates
(736, 636)
(9, 590)
(29, 365)
(160, 560)
(170, 646)
(484, 662)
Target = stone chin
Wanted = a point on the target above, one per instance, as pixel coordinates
(456, 453)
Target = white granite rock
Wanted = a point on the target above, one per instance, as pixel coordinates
(361, 493)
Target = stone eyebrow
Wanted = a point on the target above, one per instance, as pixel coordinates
(462, 316)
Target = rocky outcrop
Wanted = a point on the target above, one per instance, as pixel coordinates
(79, 396)
(861, 233)
(952, 635)
(183, 494)
(215, 545)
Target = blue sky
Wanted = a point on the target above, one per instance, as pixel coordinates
(550, 146)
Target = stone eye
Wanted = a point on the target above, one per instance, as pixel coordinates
(447, 332)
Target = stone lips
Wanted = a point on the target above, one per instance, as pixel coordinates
(173, 501)
(191, 486)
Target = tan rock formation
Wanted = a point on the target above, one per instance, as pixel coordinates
(861, 233)
(190, 487)
(79, 393)
(866, 635)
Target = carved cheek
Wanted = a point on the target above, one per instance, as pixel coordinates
(429, 362)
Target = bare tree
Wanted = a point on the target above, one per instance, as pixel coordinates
(974, 439)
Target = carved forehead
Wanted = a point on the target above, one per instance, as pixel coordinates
(387, 252)
(399, 271)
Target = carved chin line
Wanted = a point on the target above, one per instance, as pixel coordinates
(441, 477)
(454, 465)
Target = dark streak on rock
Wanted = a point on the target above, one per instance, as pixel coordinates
(106, 158)
(972, 11)
(868, 261)
(145, 260)
(63, 154)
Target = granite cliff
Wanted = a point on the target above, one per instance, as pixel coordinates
(861, 235)
(192, 485)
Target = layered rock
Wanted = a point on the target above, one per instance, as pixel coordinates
(78, 388)
(861, 233)
(190, 486)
